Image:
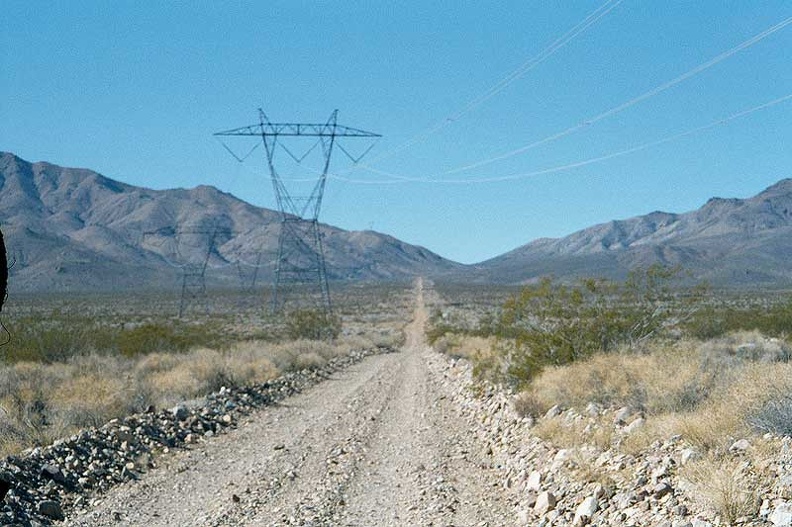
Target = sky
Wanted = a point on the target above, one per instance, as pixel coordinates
(501, 121)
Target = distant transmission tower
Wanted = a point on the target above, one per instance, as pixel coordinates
(300, 264)
(193, 273)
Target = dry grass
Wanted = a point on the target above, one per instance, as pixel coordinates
(725, 485)
(41, 402)
(660, 380)
(710, 393)
(463, 346)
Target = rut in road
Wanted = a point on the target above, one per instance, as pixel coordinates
(377, 444)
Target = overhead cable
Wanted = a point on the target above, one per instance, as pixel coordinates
(502, 84)
(632, 102)
(577, 164)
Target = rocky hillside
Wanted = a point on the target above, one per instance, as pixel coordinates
(729, 242)
(74, 229)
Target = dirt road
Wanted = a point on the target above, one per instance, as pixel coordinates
(377, 444)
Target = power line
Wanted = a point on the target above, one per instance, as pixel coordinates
(502, 84)
(577, 164)
(621, 107)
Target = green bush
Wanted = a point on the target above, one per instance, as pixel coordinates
(149, 338)
(57, 337)
(555, 324)
(713, 321)
(312, 324)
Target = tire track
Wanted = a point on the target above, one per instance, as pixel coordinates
(376, 444)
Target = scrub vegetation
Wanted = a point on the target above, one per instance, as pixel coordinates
(80, 360)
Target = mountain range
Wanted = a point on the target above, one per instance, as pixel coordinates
(727, 242)
(74, 229)
(71, 229)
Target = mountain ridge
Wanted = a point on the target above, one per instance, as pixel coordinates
(728, 241)
(75, 229)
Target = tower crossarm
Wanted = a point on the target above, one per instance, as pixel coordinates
(297, 129)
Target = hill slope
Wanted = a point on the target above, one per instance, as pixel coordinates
(729, 242)
(74, 229)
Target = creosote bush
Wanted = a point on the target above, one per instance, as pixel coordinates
(552, 324)
(312, 324)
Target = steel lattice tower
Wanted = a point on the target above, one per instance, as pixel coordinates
(193, 282)
(300, 264)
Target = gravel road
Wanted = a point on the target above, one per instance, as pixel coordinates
(380, 443)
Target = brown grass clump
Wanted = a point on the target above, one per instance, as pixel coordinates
(87, 400)
(725, 485)
(463, 346)
(659, 380)
(710, 393)
(41, 402)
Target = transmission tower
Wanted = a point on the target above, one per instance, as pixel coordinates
(193, 282)
(300, 265)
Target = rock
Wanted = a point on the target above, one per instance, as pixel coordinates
(52, 472)
(781, 515)
(545, 502)
(635, 425)
(180, 412)
(661, 489)
(5, 484)
(50, 509)
(593, 409)
(688, 455)
(534, 482)
(621, 415)
(529, 502)
(555, 411)
(585, 511)
(740, 446)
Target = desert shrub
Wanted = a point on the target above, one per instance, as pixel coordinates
(526, 404)
(553, 324)
(57, 337)
(702, 391)
(773, 320)
(774, 416)
(657, 381)
(91, 399)
(53, 339)
(312, 325)
(151, 337)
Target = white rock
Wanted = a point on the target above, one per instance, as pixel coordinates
(740, 446)
(621, 415)
(635, 425)
(545, 502)
(688, 455)
(555, 411)
(592, 409)
(585, 511)
(781, 515)
(534, 481)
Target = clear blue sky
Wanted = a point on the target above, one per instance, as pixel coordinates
(134, 90)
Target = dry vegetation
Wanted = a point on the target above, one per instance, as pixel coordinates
(716, 375)
(79, 361)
